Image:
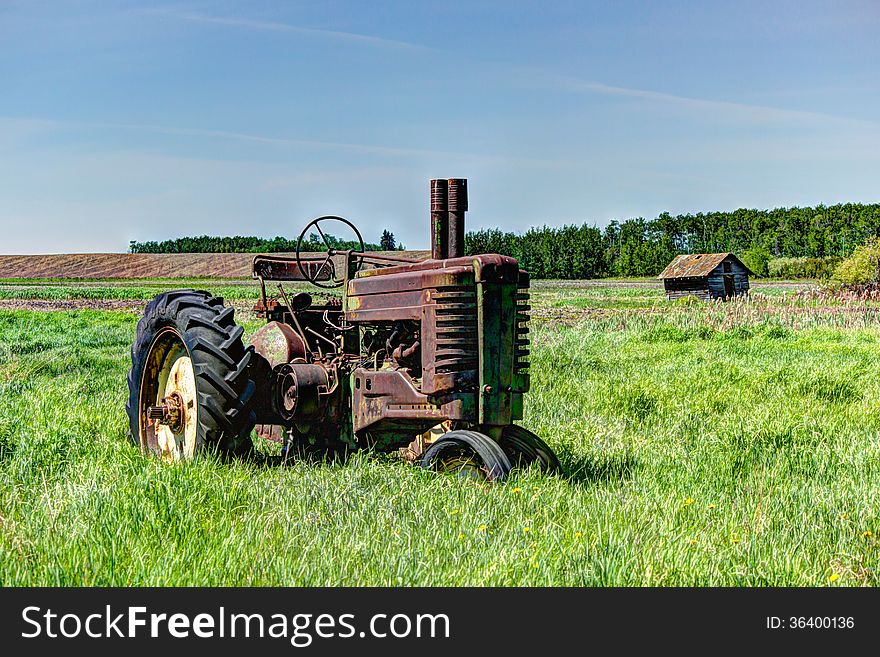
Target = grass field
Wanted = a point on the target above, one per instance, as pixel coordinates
(712, 444)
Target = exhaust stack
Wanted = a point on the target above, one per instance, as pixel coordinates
(449, 202)
(458, 205)
(439, 219)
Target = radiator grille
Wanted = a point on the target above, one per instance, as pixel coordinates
(521, 360)
(457, 345)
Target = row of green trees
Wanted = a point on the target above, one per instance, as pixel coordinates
(809, 241)
(572, 252)
(239, 244)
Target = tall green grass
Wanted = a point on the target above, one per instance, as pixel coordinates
(698, 451)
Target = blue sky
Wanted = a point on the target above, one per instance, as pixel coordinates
(149, 120)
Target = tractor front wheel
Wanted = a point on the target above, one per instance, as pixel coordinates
(524, 448)
(189, 386)
(469, 454)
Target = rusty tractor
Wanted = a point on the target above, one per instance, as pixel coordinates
(426, 357)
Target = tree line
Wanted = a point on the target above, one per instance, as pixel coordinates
(811, 240)
(806, 241)
(249, 244)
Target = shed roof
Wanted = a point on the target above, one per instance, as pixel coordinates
(697, 265)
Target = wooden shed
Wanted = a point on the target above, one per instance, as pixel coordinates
(706, 276)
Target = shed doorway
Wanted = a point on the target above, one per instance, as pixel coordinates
(729, 289)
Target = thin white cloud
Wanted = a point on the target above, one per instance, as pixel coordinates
(719, 108)
(18, 123)
(276, 26)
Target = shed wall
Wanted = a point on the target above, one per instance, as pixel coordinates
(740, 280)
(682, 287)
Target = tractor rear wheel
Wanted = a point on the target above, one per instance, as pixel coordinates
(189, 385)
(470, 454)
(523, 448)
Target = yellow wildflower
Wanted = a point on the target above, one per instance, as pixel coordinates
(711, 506)
(454, 512)
(517, 490)
(689, 501)
(833, 577)
(526, 530)
(483, 528)
(578, 534)
(867, 534)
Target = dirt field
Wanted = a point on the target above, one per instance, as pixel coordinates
(136, 265)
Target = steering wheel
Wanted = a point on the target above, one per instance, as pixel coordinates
(312, 276)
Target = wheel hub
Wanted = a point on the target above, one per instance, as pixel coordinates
(463, 465)
(170, 408)
(169, 412)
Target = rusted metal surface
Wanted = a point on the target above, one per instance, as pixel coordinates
(278, 343)
(450, 335)
(458, 205)
(470, 311)
(488, 267)
(302, 391)
(439, 219)
(388, 407)
(282, 268)
(375, 257)
(168, 412)
(697, 265)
